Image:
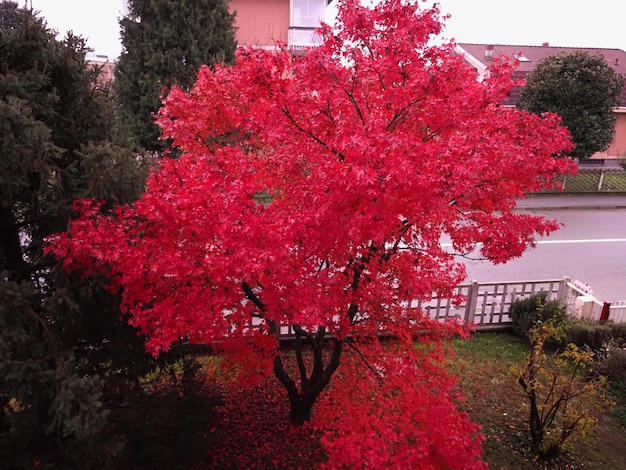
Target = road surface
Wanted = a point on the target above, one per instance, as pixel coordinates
(591, 248)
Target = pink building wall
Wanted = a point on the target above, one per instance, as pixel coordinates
(106, 65)
(618, 146)
(261, 22)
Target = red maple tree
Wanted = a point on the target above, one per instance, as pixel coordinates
(313, 192)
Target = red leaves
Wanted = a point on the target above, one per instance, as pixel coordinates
(251, 432)
(405, 417)
(373, 147)
(251, 360)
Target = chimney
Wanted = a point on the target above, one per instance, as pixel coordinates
(489, 52)
(617, 61)
(545, 44)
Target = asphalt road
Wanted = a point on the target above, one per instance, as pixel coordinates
(591, 248)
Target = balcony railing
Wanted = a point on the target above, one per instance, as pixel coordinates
(301, 38)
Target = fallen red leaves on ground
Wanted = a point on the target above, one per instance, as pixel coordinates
(252, 431)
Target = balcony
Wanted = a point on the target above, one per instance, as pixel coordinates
(301, 38)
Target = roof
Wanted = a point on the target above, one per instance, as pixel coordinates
(616, 58)
(529, 56)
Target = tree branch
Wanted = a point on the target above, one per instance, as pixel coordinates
(252, 297)
(318, 358)
(333, 363)
(364, 359)
(406, 226)
(284, 378)
(288, 115)
(301, 366)
(399, 114)
(356, 105)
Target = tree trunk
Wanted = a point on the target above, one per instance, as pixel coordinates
(300, 412)
(536, 426)
(302, 399)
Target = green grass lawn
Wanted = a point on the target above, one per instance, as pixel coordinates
(497, 402)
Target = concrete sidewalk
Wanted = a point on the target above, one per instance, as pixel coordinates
(572, 201)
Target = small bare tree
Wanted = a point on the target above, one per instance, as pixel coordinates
(561, 397)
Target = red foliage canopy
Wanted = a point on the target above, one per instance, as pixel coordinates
(372, 148)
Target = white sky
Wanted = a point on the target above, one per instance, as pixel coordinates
(601, 23)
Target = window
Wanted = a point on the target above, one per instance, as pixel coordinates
(307, 13)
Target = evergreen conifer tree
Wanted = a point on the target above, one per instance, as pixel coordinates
(57, 333)
(165, 42)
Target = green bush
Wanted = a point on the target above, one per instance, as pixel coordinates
(592, 335)
(613, 367)
(596, 336)
(526, 312)
(618, 331)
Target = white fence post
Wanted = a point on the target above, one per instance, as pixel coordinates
(600, 180)
(563, 292)
(470, 304)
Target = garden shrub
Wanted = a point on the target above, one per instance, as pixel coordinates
(525, 312)
(560, 395)
(618, 332)
(592, 335)
(613, 366)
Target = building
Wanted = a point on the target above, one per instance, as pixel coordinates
(104, 63)
(480, 56)
(263, 23)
